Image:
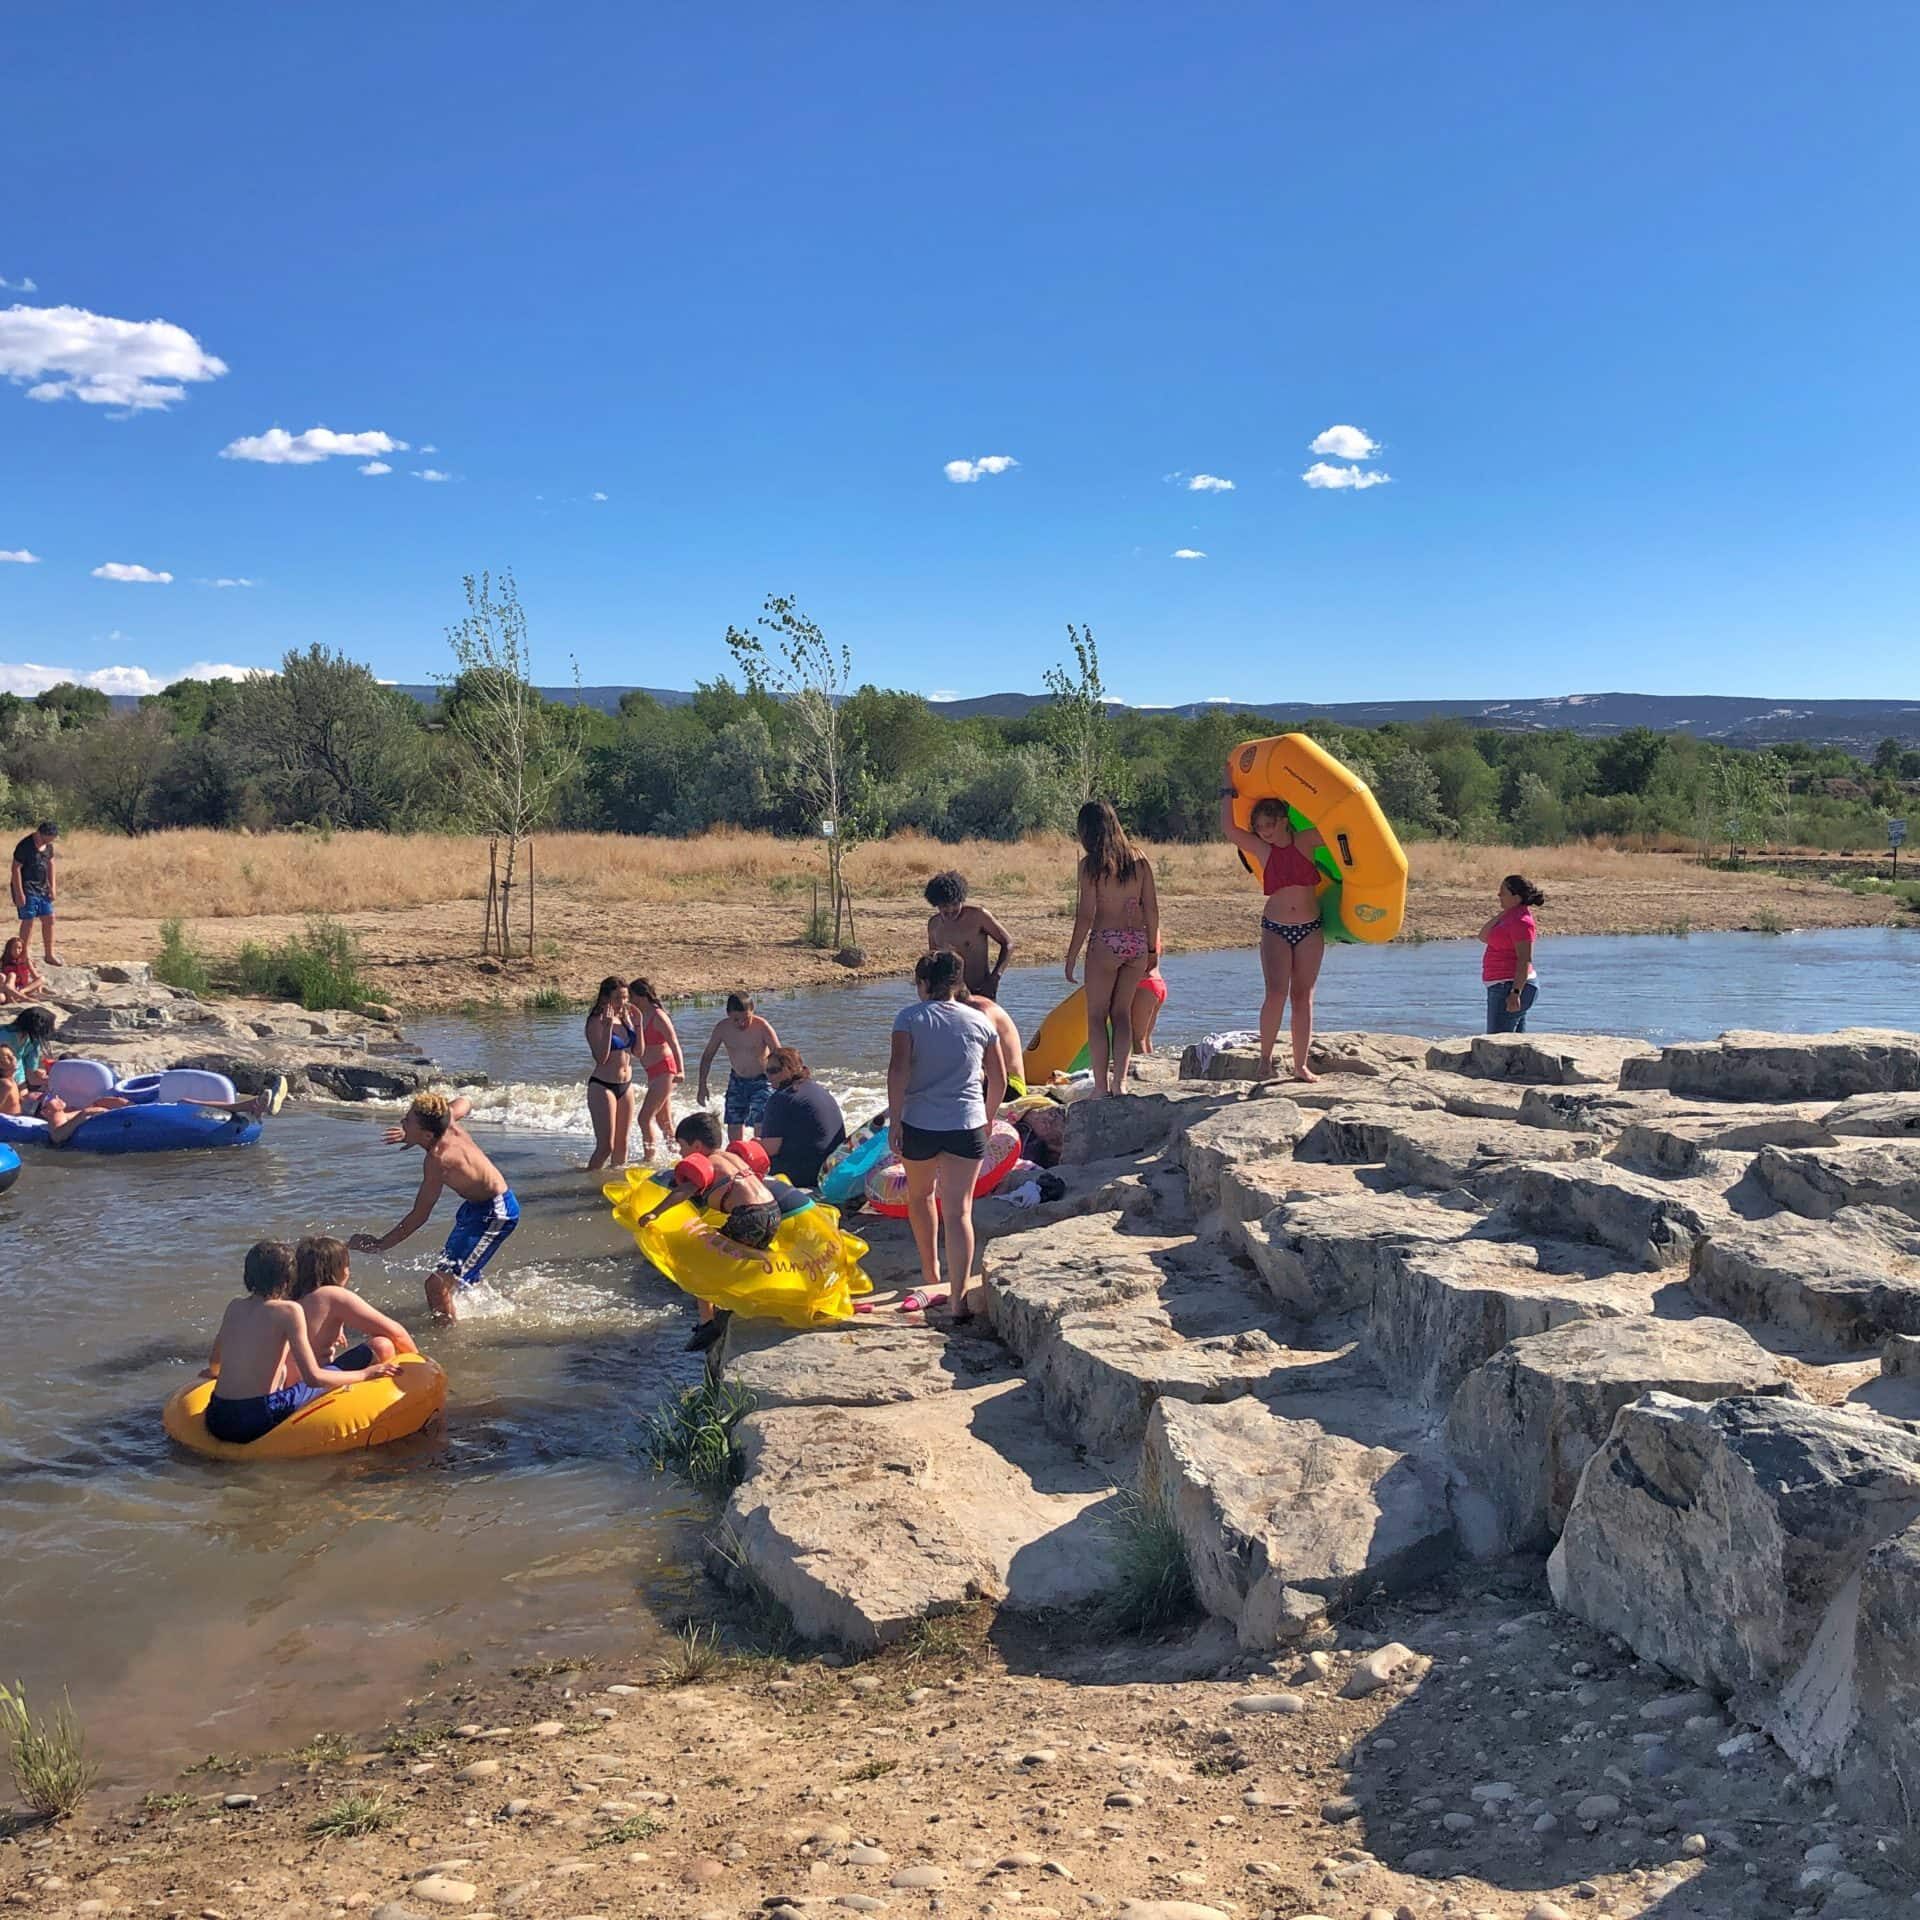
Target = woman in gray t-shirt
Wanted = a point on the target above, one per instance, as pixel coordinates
(945, 1082)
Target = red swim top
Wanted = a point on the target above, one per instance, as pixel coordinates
(1288, 867)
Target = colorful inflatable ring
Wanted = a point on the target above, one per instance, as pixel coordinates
(843, 1178)
(810, 1276)
(366, 1414)
(9, 1168)
(155, 1128)
(1363, 889)
(887, 1183)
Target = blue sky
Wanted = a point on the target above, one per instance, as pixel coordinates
(1624, 296)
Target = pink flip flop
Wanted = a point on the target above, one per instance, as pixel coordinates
(920, 1300)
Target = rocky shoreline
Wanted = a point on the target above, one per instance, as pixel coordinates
(1651, 1312)
(120, 1015)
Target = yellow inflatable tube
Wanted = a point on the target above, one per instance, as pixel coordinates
(810, 1276)
(367, 1414)
(1363, 868)
(1061, 1044)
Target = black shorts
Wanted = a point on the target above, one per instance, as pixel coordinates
(753, 1226)
(928, 1143)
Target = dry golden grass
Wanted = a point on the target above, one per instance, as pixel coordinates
(209, 875)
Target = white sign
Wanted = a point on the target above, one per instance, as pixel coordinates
(1896, 832)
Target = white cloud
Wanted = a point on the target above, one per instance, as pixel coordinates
(426, 447)
(964, 472)
(1218, 700)
(1345, 443)
(430, 473)
(1209, 483)
(279, 448)
(1337, 479)
(226, 581)
(941, 693)
(1188, 553)
(599, 496)
(376, 466)
(131, 574)
(17, 286)
(28, 677)
(71, 354)
(18, 557)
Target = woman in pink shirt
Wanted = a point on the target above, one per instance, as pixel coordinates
(1507, 965)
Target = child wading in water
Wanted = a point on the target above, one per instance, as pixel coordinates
(748, 1039)
(1118, 922)
(263, 1363)
(710, 1176)
(488, 1211)
(323, 1287)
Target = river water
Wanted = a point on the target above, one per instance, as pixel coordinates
(236, 1609)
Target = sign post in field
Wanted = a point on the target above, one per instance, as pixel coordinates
(1896, 833)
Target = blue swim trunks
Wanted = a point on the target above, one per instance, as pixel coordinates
(747, 1100)
(240, 1422)
(36, 906)
(480, 1230)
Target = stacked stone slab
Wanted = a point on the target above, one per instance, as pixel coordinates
(1496, 1295)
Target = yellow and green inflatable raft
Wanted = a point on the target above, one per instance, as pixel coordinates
(810, 1276)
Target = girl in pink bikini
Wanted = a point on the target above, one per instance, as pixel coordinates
(1291, 943)
(663, 1064)
(1118, 922)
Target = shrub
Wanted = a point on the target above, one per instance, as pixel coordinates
(1153, 1585)
(320, 970)
(352, 1816)
(693, 1436)
(180, 963)
(548, 1000)
(693, 1655)
(50, 1766)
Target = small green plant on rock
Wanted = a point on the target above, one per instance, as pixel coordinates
(636, 1826)
(319, 970)
(352, 1816)
(410, 1742)
(180, 963)
(1153, 1585)
(323, 1750)
(693, 1436)
(51, 1770)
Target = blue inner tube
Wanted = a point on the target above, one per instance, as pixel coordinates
(152, 1129)
(143, 1089)
(9, 1168)
(848, 1181)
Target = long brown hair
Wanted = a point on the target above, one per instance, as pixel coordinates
(1109, 853)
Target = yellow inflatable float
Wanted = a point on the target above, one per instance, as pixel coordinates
(1363, 885)
(366, 1414)
(1061, 1044)
(811, 1274)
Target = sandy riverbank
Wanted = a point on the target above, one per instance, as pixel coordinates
(707, 915)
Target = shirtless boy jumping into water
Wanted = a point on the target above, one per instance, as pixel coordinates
(964, 929)
(748, 1039)
(488, 1211)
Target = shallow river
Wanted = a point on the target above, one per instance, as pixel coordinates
(194, 1608)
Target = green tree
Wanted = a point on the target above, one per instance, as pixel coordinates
(1408, 792)
(74, 706)
(127, 756)
(1079, 727)
(516, 751)
(810, 677)
(334, 746)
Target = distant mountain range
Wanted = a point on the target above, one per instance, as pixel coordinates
(1858, 725)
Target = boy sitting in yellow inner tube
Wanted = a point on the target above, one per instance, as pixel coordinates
(324, 1289)
(263, 1363)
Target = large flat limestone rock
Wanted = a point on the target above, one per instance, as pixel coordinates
(1285, 1518)
(1113, 1129)
(1523, 1426)
(1364, 1054)
(1819, 1181)
(1440, 1311)
(863, 1521)
(1246, 1134)
(1881, 1116)
(1327, 1253)
(1685, 1140)
(1881, 1754)
(1785, 1066)
(1101, 1375)
(1036, 1282)
(868, 1364)
(1447, 1150)
(1849, 1281)
(1540, 1059)
(1651, 1223)
(1718, 1539)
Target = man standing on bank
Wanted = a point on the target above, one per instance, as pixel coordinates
(33, 885)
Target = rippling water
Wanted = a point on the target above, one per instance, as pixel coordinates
(222, 1603)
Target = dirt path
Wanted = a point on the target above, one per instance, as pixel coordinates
(710, 941)
(1518, 1766)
